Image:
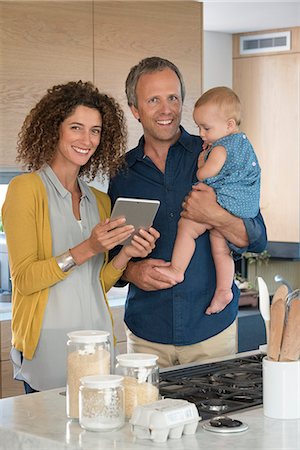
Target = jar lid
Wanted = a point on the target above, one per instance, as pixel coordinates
(88, 336)
(137, 359)
(101, 381)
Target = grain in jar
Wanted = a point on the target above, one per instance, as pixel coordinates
(101, 403)
(141, 379)
(88, 354)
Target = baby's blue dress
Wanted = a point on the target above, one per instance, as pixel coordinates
(237, 185)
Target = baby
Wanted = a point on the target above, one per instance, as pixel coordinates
(230, 166)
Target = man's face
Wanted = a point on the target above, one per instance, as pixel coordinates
(159, 105)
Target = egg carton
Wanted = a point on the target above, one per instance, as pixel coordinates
(163, 419)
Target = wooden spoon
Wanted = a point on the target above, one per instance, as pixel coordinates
(290, 350)
(277, 317)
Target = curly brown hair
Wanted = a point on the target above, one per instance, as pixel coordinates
(39, 135)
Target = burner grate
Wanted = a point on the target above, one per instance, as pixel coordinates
(217, 388)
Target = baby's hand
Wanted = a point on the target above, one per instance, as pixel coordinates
(206, 146)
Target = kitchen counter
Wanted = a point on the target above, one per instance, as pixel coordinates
(38, 421)
(5, 311)
(116, 297)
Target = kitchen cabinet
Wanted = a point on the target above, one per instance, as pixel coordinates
(45, 43)
(125, 34)
(8, 386)
(268, 85)
(42, 44)
(251, 329)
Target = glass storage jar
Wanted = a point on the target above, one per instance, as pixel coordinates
(101, 403)
(141, 379)
(88, 353)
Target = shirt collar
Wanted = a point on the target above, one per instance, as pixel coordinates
(137, 154)
(186, 140)
(61, 189)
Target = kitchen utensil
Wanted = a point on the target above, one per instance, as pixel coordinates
(264, 304)
(279, 279)
(278, 309)
(290, 349)
(281, 389)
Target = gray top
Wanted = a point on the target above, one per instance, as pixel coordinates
(76, 303)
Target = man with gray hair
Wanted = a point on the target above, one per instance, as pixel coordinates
(162, 317)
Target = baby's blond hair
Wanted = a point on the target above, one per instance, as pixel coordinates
(226, 99)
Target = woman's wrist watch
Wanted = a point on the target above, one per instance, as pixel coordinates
(66, 261)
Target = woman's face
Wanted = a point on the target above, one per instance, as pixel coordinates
(79, 137)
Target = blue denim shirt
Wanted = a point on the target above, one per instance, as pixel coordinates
(176, 315)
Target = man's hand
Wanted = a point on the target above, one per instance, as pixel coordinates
(201, 206)
(144, 275)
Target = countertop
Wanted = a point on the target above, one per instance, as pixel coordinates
(116, 297)
(5, 311)
(38, 421)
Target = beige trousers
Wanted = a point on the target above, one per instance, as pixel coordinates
(224, 343)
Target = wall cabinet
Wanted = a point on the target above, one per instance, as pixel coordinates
(46, 43)
(42, 44)
(269, 88)
(135, 30)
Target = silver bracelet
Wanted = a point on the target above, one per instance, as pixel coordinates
(65, 261)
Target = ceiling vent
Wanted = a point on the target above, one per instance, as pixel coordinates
(268, 42)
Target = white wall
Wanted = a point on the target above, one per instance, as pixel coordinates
(240, 16)
(217, 61)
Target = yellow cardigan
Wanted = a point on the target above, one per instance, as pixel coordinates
(33, 268)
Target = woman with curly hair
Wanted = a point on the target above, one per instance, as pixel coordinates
(58, 229)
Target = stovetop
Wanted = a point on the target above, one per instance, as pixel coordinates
(217, 388)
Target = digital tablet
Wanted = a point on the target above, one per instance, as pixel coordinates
(138, 212)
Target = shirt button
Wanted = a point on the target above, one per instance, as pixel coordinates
(254, 164)
(171, 214)
(244, 136)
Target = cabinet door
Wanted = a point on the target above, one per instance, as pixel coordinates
(5, 339)
(9, 386)
(132, 30)
(268, 87)
(41, 44)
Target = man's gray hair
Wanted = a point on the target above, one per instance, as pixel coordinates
(148, 65)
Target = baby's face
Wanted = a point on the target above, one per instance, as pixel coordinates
(211, 122)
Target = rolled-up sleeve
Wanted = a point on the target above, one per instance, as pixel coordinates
(257, 237)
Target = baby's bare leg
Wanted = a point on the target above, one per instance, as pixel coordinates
(184, 248)
(224, 273)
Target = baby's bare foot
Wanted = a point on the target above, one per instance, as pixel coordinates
(172, 273)
(221, 299)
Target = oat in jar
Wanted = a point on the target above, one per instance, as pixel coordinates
(141, 379)
(88, 354)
